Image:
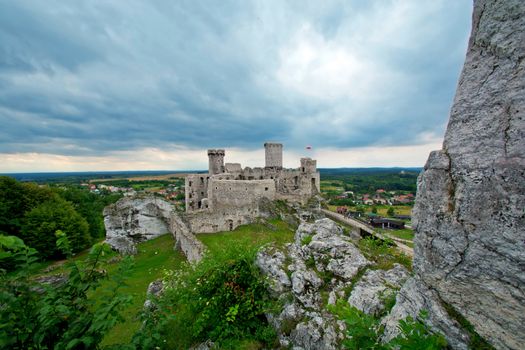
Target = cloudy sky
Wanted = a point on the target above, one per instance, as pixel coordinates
(132, 85)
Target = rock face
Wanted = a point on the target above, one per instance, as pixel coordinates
(375, 287)
(469, 214)
(321, 261)
(136, 219)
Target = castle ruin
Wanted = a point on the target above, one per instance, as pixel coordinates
(229, 195)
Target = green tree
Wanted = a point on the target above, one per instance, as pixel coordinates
(42, 222)
(374, 210)
(41, 316)
(391, 211)
(16, 199)
(90, 206)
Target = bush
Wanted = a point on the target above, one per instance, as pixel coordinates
(383, 253)
(41, 223)
(60, 316)
(222, 299)
(364, 331)
(16, 199)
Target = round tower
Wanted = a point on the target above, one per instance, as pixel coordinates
(273, 155)
(215, 161)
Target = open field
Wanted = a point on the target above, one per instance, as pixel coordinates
(165, 177)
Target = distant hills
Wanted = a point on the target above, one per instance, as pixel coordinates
(86, 175)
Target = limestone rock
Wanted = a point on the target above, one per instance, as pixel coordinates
(414, 297)
(315, 334)
(135, 219)
(375, 286)
(331, 250)
(122, 244)
(304, 322)
(468, 217)
(155, 289)
(271, 262)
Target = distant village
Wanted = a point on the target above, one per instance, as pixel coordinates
(172, 192)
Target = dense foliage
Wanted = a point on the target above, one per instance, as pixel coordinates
(364, 332)
(35, 212)
(223, 299)
(371, 179)
(43, 221)
(61, 315)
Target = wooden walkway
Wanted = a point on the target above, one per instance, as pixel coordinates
(400, 243)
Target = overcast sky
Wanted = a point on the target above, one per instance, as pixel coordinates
(132, 85)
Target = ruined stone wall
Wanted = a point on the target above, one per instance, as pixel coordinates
(210, 221)
(196, 189)
(469, 214)
(185, 240)
(227, 195)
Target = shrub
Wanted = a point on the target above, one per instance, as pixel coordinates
(60, 316)
(306, 239)
(41, 223)
(383, 253)
(223, 298)
(364, 331)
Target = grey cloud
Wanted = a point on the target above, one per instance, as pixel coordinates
(89, 78)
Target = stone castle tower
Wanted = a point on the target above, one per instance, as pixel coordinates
(273, 155)
(216, 161)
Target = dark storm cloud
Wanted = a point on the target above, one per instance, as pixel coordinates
(87, 77)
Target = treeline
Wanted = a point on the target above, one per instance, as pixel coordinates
(36, 212)
(140, 183)
(369, 180)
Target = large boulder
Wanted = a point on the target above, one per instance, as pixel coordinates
(377, 286)
(136, 219)
(469, 213)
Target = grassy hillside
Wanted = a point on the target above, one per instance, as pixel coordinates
(152, 259)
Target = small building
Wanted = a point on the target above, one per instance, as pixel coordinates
(342, 210)
(386, 223)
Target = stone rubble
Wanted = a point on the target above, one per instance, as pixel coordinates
(322, 259)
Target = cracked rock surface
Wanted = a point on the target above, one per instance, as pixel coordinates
(469, 214)
(133, 220)
(321, 261)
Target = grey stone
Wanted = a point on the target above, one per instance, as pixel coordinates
(132, 220)
(469, 212)
(415, 297)
(122, 244)
(370, 291)
(136, 219)
(331, 249)
(318, 333)
(271, 262)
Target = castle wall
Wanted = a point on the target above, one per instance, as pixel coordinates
(210, 221)
(196, 189)
(235, 194)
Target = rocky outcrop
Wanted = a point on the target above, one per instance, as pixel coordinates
(469, 214)
(415, 297)
(307, 275)
(133, 220)
(376, 287)
(136, 219)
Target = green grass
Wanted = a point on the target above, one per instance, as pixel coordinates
(153, 258)
(406, 233)
(250, 236)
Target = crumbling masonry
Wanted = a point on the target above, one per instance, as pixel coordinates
(229, 196)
